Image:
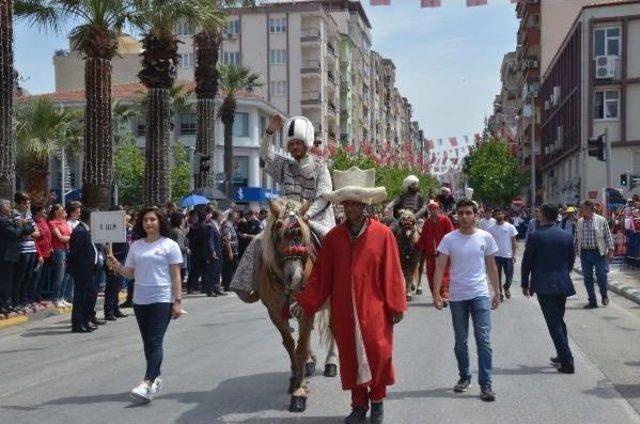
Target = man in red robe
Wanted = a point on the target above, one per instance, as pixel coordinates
(359, 271)
(435, 227)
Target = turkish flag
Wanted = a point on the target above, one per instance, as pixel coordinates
(471, 3)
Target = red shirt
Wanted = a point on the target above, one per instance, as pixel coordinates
(433, 232)
(65, 230)
(43, 243)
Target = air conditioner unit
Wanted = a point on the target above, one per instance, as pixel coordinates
(530, 63)
(606, 67)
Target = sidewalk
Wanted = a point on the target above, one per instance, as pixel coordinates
(622, 280)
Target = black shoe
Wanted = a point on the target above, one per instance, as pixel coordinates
(89, 326)
(80, 330)
(590, 306)
(567, 369)
(486, 394)
(96, 321)
(501, 298)
(110, 317)
(377, 413)
(507, 293)
(221, 293)
(120, 314)
(127, 304)
(554, 361)
(357, 415)
(605, 301)
(462, 385)
(212, 295)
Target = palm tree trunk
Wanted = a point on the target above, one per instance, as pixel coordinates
(7, 146)
(206, 75)
(98, 135)
(157, 187)
(205, 140)
(227, 120)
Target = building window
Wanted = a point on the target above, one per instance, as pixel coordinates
(188, 123)
(263, 125)
(278, 57)
(241, 125)
(607, 105)
(231, 58)
(185, 28)
(278, 88)
(606, 41)
(186, 60)
(233, 27)
(277, 24)
(141, 126)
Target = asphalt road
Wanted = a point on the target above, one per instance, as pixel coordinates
(224, 364)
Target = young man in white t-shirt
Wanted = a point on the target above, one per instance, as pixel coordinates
(504, 233)
(471, 252)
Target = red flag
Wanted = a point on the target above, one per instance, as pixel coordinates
(471, 3)
(430, 3)
(380, 2)
(430, 144)
(453, 141)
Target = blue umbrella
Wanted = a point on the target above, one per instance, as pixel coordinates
(193, 200)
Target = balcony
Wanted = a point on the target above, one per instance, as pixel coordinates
(310, 35)
(311, 98)
(310, 67)
(332, 50)
(331, 79)
(529, 36)
(331, 108)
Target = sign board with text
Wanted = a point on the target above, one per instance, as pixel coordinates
(108, 227)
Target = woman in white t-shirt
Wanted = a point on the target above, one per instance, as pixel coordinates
(154, 263)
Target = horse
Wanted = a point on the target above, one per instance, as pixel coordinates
(288, 255)
(407, 236)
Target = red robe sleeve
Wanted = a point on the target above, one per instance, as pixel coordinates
(392, 278)
(320, 284)
(449, 226)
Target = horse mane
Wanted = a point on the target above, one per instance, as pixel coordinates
(268, 247)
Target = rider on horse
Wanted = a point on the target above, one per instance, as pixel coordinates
(303, 178)
(410, 199)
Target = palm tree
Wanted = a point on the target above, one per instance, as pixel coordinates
(7, 147)
(96, 37)
(157, 19)
(233, 79)
(42, 129)
(212, 21)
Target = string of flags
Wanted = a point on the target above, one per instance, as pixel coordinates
(436, 3)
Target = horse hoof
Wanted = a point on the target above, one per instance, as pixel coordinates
(419, 292)
(309, 369)
(330, 370)
(298, 404)
(293, 384)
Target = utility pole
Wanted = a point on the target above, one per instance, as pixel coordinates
(533, 150)
(607, 144)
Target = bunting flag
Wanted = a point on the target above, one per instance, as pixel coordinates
(430, 145)
(430, 3)
(380, 2)
(453, 141)
(472, 3)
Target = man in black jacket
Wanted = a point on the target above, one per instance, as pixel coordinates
(83, 264)
(10, 233)
(546, 267)
(203, 254)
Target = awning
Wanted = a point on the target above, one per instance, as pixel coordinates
(256, 194)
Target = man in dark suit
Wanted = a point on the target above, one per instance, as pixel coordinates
(10, 232)
(83, 264)
(546, 267)
(203, 254)
(214, 219)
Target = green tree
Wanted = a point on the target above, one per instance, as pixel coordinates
(180, 173)
(494, 172)
(233, 79)
(128, 163)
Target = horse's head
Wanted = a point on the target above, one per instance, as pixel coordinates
(407, 221)
(288, 239)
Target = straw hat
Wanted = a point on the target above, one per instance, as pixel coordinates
(356, 185)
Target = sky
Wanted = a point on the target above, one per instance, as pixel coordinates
(447, 59)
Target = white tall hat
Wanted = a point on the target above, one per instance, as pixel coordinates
(356, 185)
(299, 128)
(409, 181)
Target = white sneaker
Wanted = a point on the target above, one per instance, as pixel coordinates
(142, 392)
(156, 386)
(66, 304)
(59, 304)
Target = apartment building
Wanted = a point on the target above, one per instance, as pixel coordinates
(504, 120)
(592, 87)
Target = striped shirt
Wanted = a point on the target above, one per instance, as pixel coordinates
(27, 243)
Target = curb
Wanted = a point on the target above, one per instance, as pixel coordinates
(623, 290)
(40, 315)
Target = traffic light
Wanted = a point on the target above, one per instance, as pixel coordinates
(205, 164)
(596, 147)
(624, 179)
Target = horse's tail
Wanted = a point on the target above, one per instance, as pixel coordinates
(324, 330)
